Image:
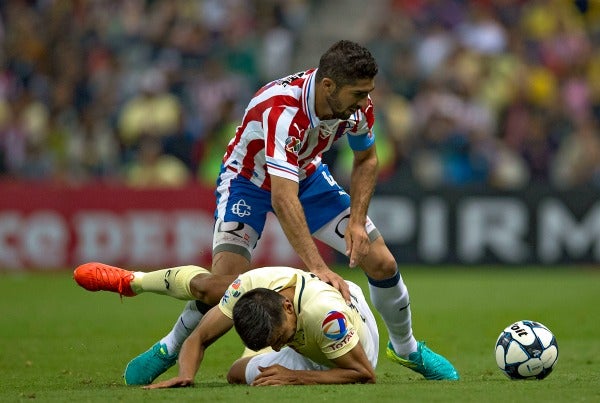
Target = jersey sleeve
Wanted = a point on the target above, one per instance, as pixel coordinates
(361, 135)
(338, 334)
(235, 290)
(283, 139)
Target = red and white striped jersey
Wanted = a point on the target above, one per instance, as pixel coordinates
(281, 134)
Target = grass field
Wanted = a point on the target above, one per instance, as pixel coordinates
(61, 343)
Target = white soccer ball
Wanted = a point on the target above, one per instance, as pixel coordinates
(526, 350)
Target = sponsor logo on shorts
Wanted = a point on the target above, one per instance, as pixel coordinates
(241, 209)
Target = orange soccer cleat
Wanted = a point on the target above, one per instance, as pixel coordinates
(96, 276)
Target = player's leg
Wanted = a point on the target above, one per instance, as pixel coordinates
(390, 298)
(147, 366)
(325, 200)
(388, 292)
(371, 344)
(240, 217)
(182, 282)
(246, 369)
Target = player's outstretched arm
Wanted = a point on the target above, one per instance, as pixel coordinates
(212, 326)
(352, 367)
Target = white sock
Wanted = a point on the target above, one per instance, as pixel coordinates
(390, 298)
(186, 323)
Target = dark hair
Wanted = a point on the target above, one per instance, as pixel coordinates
(345, 62)
(256, 315)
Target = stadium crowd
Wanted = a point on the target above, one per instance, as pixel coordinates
(502, 93)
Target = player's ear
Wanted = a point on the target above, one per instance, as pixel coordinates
(329, 85)
(288, 306)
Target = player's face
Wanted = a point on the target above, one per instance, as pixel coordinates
(346, 100)
(285, 333)
(284, 336)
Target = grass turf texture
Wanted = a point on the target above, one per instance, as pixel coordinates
(62, 343)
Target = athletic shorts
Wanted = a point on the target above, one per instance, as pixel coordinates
(242, 209)
(290, 359)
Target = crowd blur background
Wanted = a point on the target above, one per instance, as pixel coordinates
(498, 93)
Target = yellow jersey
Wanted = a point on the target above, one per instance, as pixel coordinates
(327, 327)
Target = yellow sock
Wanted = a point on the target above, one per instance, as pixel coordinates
(174, 282)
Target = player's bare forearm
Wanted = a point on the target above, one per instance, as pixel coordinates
(278, 375)
(212, 326)
(362, 183)
(190, 358)
(289, 211)
(352, 367)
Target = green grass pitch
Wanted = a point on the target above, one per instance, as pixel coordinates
(61, 343)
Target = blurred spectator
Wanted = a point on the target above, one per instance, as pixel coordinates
(153, 168)
(154, 111)
(277, 47)
(578, 159)
(212, 88)
(210, 149)
(495, 93)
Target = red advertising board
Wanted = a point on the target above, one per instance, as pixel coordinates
(47, 226)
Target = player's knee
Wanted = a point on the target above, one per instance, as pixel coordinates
(203, 290)
(230, 263)
(382, 267)
(237, 372)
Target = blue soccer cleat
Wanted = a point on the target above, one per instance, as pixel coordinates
(424, 361)
(149, 365)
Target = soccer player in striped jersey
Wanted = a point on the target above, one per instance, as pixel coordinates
(273, 164)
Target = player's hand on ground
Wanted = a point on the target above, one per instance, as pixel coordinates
(357, 243)
(276, 375)
(329, 276)
(176, 382)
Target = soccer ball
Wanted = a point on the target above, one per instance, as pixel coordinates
(526, 350)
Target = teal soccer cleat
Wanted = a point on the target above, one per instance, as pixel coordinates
(149, 365)
(424, 361)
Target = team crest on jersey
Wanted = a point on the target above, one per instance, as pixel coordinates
(292, 145)
(334, 325)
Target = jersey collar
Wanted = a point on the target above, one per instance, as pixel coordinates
(308, 99)
(308, 103)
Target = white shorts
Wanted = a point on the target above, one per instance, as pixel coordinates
(290, 359)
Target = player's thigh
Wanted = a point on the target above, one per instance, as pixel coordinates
(371, 344)
(322, 199)
(379, 262)
(240, 218)
(333, 232)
